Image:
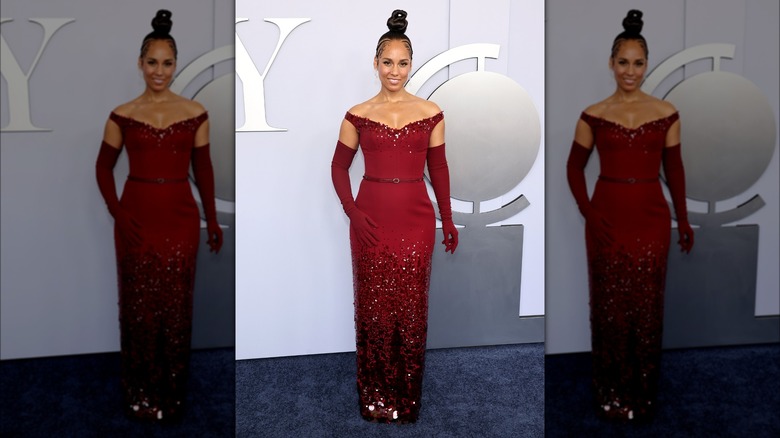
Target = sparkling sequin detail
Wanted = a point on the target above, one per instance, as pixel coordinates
(391, 279)
(155, 314)
(626, 321)
(156, 278)
(159, 152)
(643, 144)
(391, 314)
(627, 276)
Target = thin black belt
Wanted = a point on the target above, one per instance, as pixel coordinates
(628, 180)
(392, 180)
(156, 180)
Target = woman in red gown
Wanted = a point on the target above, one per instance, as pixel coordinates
(627, 227)
(392, 228)
(157, 227)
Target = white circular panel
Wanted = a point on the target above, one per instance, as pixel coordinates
(728, 134)
(492, 133)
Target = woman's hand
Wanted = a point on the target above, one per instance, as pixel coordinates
(686, 236)
(215, 236)
(599, 227)
(450, 236)
(364, 227)
(128, 227)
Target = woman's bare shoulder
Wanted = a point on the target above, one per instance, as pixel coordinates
(598, 109)
(662, 107)
(361, 109)
(428, 107)
(126, 109)
(191, 107)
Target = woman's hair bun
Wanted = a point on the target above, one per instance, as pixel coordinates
(161, 23)
(633, 22)
(397, 21)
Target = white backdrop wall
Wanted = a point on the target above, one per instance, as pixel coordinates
(59, 289)
(579, 38)
(293, 272)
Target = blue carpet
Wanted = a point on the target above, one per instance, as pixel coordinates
(467, 392)
(703, 392)
(80, 396)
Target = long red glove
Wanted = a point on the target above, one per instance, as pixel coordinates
(204, 179)
(675, 180)
(363, 225)
(440, 180)
(575, 174)
(128, 228)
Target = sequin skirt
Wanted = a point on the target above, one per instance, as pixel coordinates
(156, 281)
(627, 279)
(391, 300)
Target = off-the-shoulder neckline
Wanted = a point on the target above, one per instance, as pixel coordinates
(396, 129)
(149, 125)
(649, 122)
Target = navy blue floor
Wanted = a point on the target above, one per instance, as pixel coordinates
(467, 392)
(703, 392)
(501, 391)
(80, 396)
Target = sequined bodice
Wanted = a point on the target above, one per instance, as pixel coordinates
(159, 152)
(630, 152)
(394, 153)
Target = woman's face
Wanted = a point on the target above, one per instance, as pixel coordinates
(393, 65)
(158, 65)
(629, 65)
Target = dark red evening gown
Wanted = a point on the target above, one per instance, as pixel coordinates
(627, 277)
(156, 278)
(391, 279)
